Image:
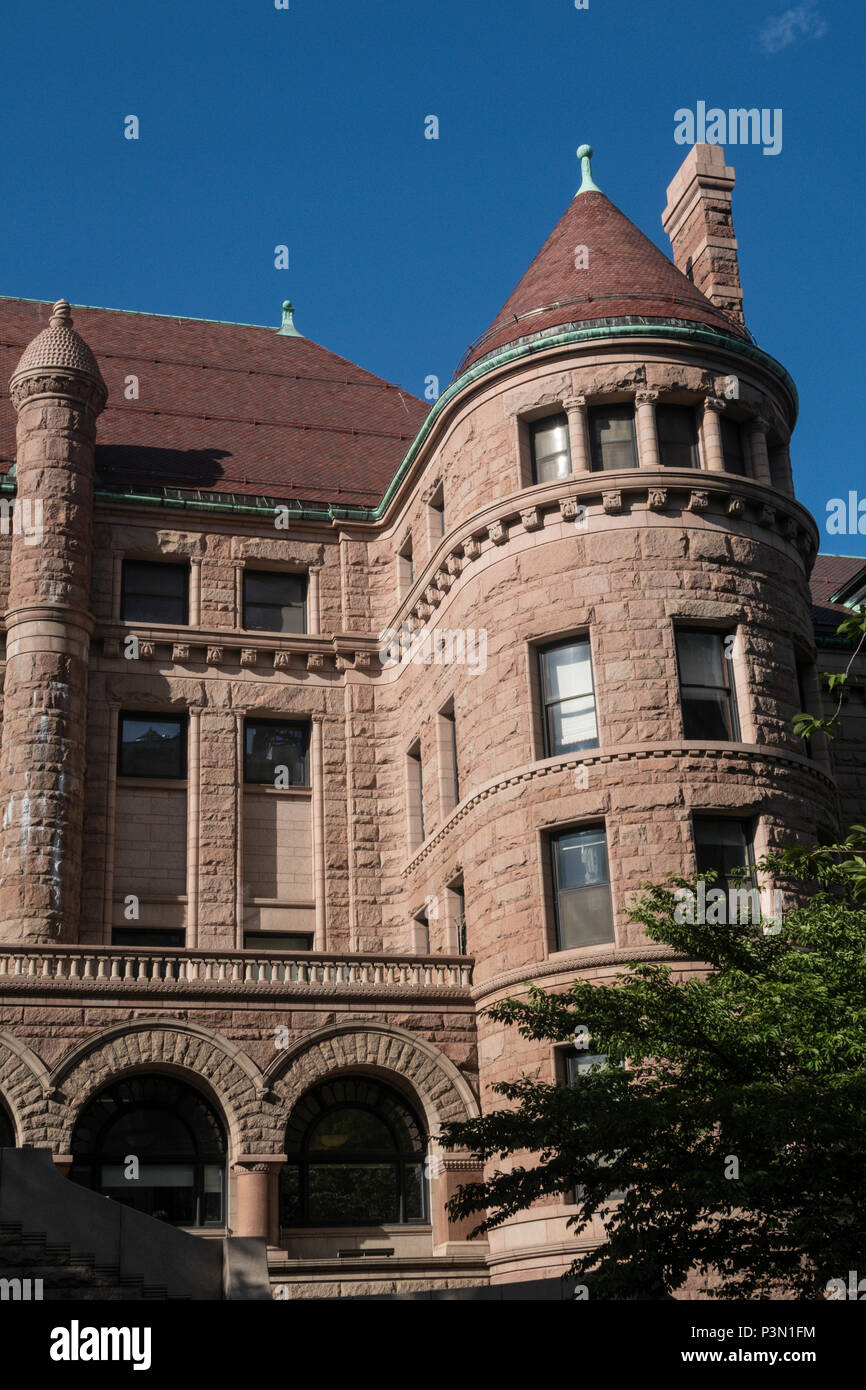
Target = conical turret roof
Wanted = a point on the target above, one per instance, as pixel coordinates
(596, 264)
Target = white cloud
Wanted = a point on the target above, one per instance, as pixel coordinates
(803, 22)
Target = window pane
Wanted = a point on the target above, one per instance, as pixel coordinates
(612, 437)
(277, 941)
(706, 715)
(364, 1194)
(677, 435)
(356, 1131)
(153, 592)
(159, 937)
(550, 452)
(567, 671)
(582, 858)
(702, 660)
(152, 746)
(576, 1063)
(275, 602)
(413, 1191)
(732, 447)
(585, 917)
(271, 746)
(572, 725)
(721, 845)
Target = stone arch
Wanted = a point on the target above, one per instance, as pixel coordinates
(408, 1063)
(25, 1085)
(195, 1054)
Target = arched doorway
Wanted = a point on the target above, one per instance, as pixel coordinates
(156, 1145)
(356, 1154)
(7, 1129)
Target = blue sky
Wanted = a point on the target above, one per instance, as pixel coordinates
(305, 127)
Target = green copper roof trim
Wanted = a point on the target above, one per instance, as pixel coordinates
(588, 185)
(334, 512)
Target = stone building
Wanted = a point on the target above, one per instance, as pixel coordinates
(330, 718)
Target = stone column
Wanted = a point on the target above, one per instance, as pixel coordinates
(194, 592)
(58, 393)
(317, 773)
(314, 621)
(714, 454)
(578, 434)
(255, 1208)
(758, 451)
(193, 823)
(647, 437)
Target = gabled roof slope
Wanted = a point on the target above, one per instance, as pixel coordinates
(227, 408)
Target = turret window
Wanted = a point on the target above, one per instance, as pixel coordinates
(551, 458)
(612, 437)
(723, 846)
(678, 436)
(568, 696)
(581, 877)
(732, 447)
(706, 690)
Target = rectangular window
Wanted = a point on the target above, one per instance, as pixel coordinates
(405, 567)
(568, 696)
(146, 937)
(581, 877)
(415, 786)
(437, 513)
(551, 458)
(804, 684)
(275, 602)
(449, 750)
(422, 934)
(575, 1066)
(722, 845)
(277, 752)
(732, 447)
(612, 437)
(152, 745)
(277, 941)
(458, 906)
(152, 592)
(706, 691)
(678, 436)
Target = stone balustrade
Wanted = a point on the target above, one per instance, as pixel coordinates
(89, 968)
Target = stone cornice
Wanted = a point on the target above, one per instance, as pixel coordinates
(684, 491)
(567, 964)
(683, 748)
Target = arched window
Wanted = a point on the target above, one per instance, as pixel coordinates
(356, 1158)
(156, 1145)
(7, 1129)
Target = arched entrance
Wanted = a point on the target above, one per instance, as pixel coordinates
(156, 1145)
(356, 1154)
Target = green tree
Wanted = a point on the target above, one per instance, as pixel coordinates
(736, 1130)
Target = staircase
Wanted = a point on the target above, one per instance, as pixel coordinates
(85, 1247)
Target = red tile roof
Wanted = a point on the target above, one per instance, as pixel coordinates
(227, 408)
(626, 276)
(831, 572)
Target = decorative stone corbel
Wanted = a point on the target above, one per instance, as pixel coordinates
(531, 518)
(699, 501)
(612, 501)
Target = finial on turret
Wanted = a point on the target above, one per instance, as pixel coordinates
(588, 185)
(287, 327)
(61, 315)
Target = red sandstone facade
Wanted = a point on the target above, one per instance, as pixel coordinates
(415, 856)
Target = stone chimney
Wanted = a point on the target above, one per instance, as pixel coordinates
(58, 392)
(699, 223)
